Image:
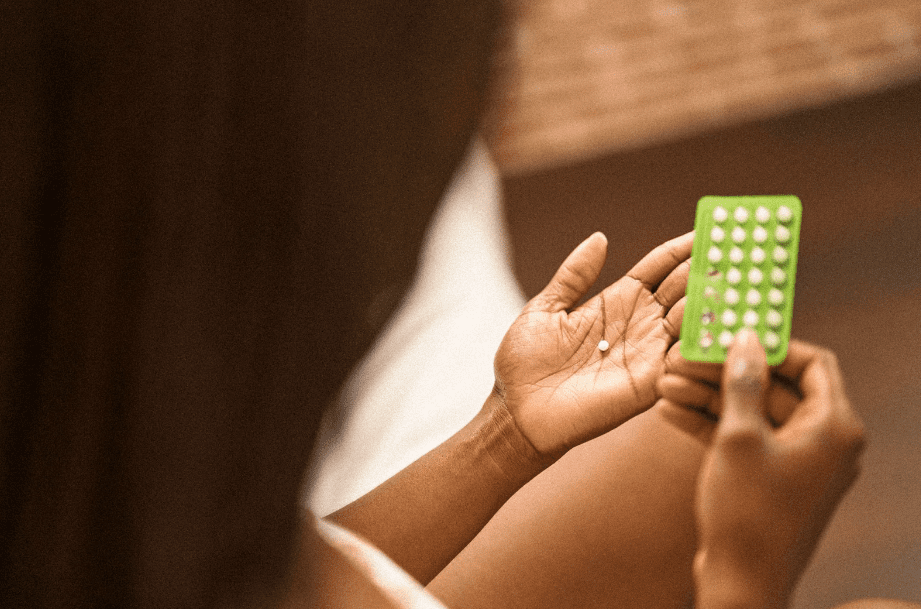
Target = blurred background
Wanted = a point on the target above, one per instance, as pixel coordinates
(618, 115)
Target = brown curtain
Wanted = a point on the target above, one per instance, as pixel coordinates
(208, 210)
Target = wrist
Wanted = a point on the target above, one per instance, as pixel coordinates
(509, 449)
(723, 583)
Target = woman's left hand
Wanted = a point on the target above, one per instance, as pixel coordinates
(560, 388)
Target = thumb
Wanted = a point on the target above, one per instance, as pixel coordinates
(745, 382)
(575, 276)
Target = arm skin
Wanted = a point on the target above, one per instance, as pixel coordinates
(554, 390)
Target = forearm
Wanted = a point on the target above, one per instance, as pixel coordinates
(426, 514)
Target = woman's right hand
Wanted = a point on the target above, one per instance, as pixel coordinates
(766, 493)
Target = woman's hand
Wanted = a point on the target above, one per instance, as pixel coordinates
(765, 494)
(551, 376)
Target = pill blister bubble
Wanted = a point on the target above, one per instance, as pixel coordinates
(758, 255)
(729, 317)
(725, 338)
(775, 297)
(759, 234)
(734, 276)
(714, 255)
(755, 276)
(774, 318)
(753, 297)
(762, 214)
(731, 297)
(780, 255)
(736, 255)
(738, 234)
(771, 340)
(750, 318)
(717, 234)
(784, 213)
(782, 234)
(720, 214)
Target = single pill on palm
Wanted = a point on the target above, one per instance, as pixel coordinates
(738, 234)
(734, 276)
(784, 213)
(759, 234)
(714, 255)
(740, 214)
(758, 255)
(762, 214)
(603, 345)
(720, 214)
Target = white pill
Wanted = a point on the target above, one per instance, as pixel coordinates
(725, 338)
(706, 340)
(775, 297)
(778, 276)
(750, 318)
(759, 234)
(736, 255)
(784, 213)
(774, 318)
(782, 234)
(603, 345)
(755, 276)
(717, 234)
(734, 276)
(729, 318)
(753, 297)
(780, 255)
(771, 340)
(714, 255)
(720, 214)
(731, 297)
(738, 234)
(762, 214)
(740, 214)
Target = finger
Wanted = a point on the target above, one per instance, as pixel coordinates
(701, 371)
(673, 287)
(673, 319)
(575, 276)
(657, 264)
(744, 386)
(682, 390)
(781, 403)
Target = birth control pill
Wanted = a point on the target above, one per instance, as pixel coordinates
(753, 297)
(762, 214)
(725, 338)
(750, 318)
(717, 234)
(720, 214)
(731, 297)
(729, 318)
(734, 276)
(775, 297)
(773, 318)
(755, 276)
(759, 234)
(758, 255)
(780, 255)
(706, 340)
(740, 214)
(771, 340)
(736, 255)
(738, 234)
(782, 234)
(778, 276)
(714, 255)
(784, 213)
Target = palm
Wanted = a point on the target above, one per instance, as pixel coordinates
(561, 389)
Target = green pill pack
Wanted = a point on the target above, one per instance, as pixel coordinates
(743, 268)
